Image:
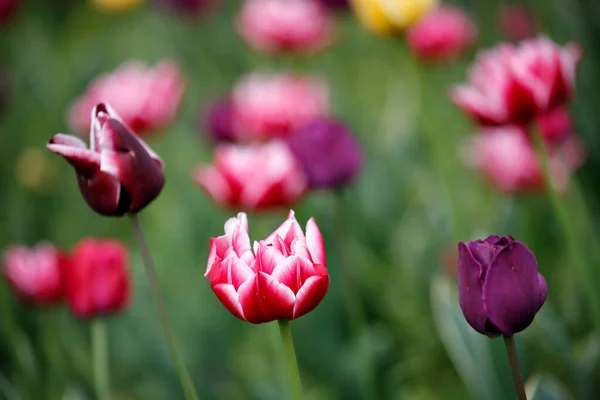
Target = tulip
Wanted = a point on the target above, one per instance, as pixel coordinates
(329, 153)
(217, 121)
(284, 277)
(146, 98)
(555, 126)
(499, 287)
(370, 14)
(8, 8)
(273, 105)
(335, 5)
(388, 16)
(119, 173)
(516, 22)
(514, 84)
(272, 26)
(442, 35)
(35, 274)
(97, 278)
(116, 5)
(253, 177)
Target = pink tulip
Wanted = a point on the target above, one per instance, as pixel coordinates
(273, 105)
(514, 84)
(272, 26)
(284, 277)
(516, 22)
(35, 273)
(253, 177)
(119, 173)
(442, 35)
(146, 98)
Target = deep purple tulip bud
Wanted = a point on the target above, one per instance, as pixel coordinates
(328, 151)
(499, 287)
(119, 173)
(217, 121)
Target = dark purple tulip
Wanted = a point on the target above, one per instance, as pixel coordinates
(335, 5)
(217, 121)
(499, 287)
(328, 151)
(118, 173)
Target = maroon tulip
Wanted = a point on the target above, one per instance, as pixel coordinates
(514, 84)
(97, 279)
(499, 287)
(284, 278)
(35, 273)
(119, 173)
(217, 121)
(8, 8)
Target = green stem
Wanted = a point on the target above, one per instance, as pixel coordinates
(290, 354)
(50, 334)
(100, 357)
(513, 360)
(577, 254)
(184, 377)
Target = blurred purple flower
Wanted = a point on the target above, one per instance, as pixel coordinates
(335, 5)
(328, 151)
(499, 287)
(217, 121)
(517, 22)
(8, 8)
(190, 8)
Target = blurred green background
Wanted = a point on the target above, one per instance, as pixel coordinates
(404, 216)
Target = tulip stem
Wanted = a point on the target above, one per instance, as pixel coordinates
(511, 350)
(290, 354)
(100, 359)
(184, 377)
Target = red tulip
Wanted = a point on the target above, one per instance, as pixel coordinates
(514, 84)
(442, 35)
(146, 98)
(273, 105)
(35, 273)
(119, 173)
(97, 278)
(270, 26)
(284, 278)
(253, 177)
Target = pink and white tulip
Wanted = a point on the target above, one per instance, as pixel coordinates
(284, 277)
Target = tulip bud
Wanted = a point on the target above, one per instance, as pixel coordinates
(371, 15)
(217, 121)
(119, 173)
(328, 151)
(253, 177)
(35, 273)
(301, 26)
(404, 13)
(97, 278)
(499, 287)
(442, 35)
(284, 278)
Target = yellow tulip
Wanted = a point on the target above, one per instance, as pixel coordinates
(115, 5)
(370, 14)
(403, 13)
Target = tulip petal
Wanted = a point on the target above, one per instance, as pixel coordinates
(310, 295)
(314, 241)
(102, 192)
(293, 272)
(249, 299)
(268, 258)
(236, 272)
(277, 300)
(287, 231)
(543, 290)
(214, 183)
(85, 161)
(229, 298)
(470, 289)
(512, 292)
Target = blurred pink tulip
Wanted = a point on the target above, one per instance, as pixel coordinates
(442, 35)
(35, 273)
(516, 22)
(510, 84)
(555, 126)
(253, 177)
(273, 105)
(8, 8)
(301, 26)
(146, 98)
(284, 278)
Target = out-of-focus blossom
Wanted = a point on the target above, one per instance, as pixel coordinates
(284, 278)
(253, 177)
(35, 273)
(328, 151)
(516, 22)
(372, 17)
(116, 5)
(510, 84)
(96, 278)
(442, 35)
(335, 5)
(499, 287)
(555, 125)
(273, 105)
(387, 16)
(8, 8)
(217, 121)
(146, 98)
(271, 26)
(506, 156)
(119, 173)
(190, 8)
